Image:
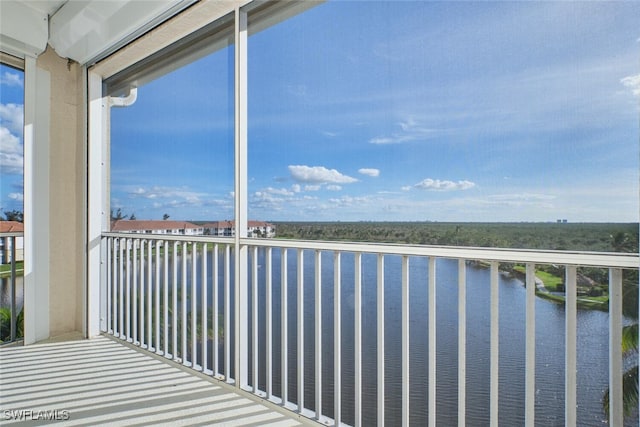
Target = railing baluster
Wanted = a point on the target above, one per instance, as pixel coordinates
(227, 313)
(283, 327)
(462, 342)
(121, 288)
(380, 336)
(269, 321)
(357, 336)
(405, 341)
(183, 311)
(214, 321)
(135, 290)
(254, 318)
(432, 341)
(318, 333)
(337, 340)
(615, 347)
(204, 316)
(194, 304)
(109, 285)
(530, 355)
(165, 296)
(174, 304)
(156, 294)
(143, 322)
(495, 346)
(150, 295)
(570, 365)
(300, 352)
(127, 300)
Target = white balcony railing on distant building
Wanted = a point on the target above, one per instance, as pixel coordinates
(366, 333)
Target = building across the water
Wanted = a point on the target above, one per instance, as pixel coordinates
(228, 229)
(156, 227)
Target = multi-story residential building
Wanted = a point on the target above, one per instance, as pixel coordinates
(183, 228)
(228, 228)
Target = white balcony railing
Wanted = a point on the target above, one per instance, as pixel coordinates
(367, 333)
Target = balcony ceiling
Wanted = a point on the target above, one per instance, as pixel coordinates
(81, 30)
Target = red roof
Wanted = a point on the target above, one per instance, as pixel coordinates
(130, 225)
(11, 227)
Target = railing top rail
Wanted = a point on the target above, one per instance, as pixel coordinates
(13, 234)
(578, 258)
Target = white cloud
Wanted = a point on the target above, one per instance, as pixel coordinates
(410, 130)
(12, 117)
(334, 187)
(633, 83)
(279, 191)
(369, 172)
(312, 187)
(16, 196)
(296, 188)
(11, 79)
(11, 153)
(406, 188)
(438, 185)
(319, 175)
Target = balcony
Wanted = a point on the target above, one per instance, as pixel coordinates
(388, 319)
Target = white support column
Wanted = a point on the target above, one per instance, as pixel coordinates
(241, 174)
(36, 201)
(96, 205)
(616, 417)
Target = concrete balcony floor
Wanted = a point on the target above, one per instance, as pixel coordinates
(101, 381)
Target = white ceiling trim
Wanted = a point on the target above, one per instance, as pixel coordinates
(82, 30)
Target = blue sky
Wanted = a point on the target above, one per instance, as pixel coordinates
(11, 145)
(399, 111)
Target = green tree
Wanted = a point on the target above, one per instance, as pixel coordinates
(14, 215)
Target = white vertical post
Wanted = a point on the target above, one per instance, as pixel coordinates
(462, 342)
(570, 347)
(380, 327)
(157, 346)
(204, 316)
(127, 295)
(135, 291)
(615, 348)
(215, 321)
(495, 346)
(405, 341)
(183, 311)
(227, 313)
(174, 301)
(255, 356)
(337, 340)
(283, 326)
(97, 199)
(318, 332)
(165, 297)
(194, 304)
(432, 341)
(108, 285)
(269, 321)
(300, 323)
(530, 351)
(121, 244)
(149, 295)
(142, 302)
(357, 336)
(241, 199)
